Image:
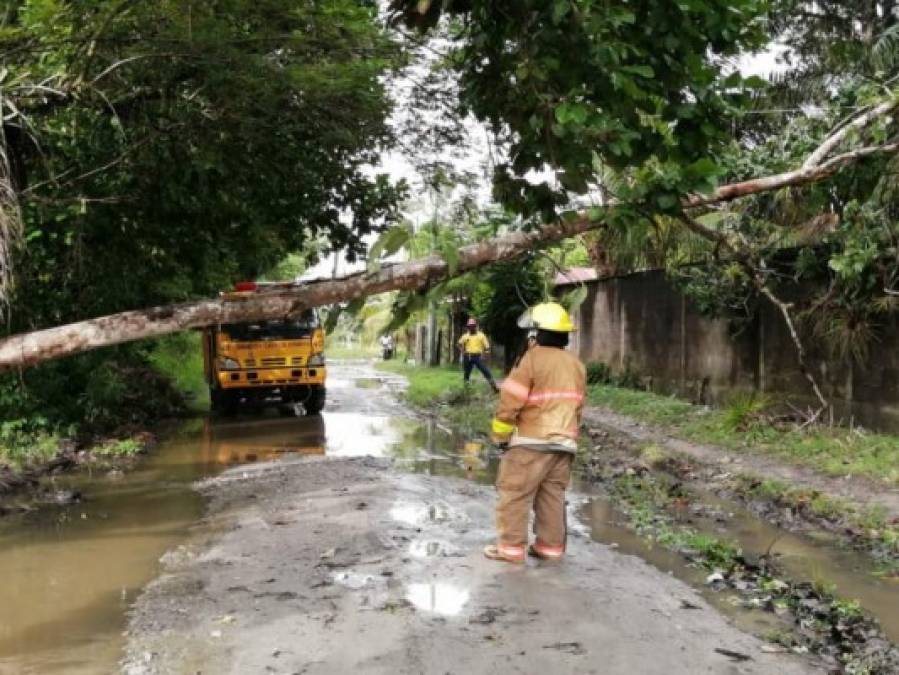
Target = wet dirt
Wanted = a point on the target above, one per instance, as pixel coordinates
(854, 488)
(362, 563)
(359, 547)
(331, 566)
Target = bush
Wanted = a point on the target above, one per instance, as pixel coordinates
(598, 373)
(25, 441)
(745, 409)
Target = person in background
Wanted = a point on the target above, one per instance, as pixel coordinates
(474, 346)
(538, 422)
(387, 347)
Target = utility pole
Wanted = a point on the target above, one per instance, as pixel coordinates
(432, 352)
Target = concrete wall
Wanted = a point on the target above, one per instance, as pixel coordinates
(642, 323)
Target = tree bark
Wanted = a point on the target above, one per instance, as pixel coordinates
(802, 176)
(43, 345)
(30, 348)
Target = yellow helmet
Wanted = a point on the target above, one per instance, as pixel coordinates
(547, 316)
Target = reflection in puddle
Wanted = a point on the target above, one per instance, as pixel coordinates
(439, 598)
(416, 513)
(261, 440)
(358, 434)
(369, 382)
(353, 580)
(432, 548)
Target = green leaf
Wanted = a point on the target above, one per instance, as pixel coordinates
(755, 82)
(391, 241)
(449, 251)
(333, 315)
(711, 219)
(355, 306)
(560, 10)
(571, 112)
(703, 168)
(575, 298)
(642, 71)
(666, 201)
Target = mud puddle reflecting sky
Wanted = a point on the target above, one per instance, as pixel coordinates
(71, 572)
(75, 569)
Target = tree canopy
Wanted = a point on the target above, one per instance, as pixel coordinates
(154, 152)
(191, 143)
(578, 84)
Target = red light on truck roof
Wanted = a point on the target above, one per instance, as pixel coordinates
(245, 286)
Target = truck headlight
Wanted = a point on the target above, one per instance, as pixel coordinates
(229, 364)
(316, 359)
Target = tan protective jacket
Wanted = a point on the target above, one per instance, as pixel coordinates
(542, 398)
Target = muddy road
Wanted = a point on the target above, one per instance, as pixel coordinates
(327, 564)
(347, 540)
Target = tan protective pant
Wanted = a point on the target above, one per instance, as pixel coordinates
(531, 477)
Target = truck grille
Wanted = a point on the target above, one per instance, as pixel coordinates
(274, 361)
(296, 361)
(249, 363)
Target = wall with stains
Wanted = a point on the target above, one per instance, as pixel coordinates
(641, 323)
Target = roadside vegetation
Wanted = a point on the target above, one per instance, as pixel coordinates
(812, 618)
(109, 422)
(441, 391)
(745, 425)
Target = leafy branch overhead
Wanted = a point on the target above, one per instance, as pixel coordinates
(202, 140)
(567, 84)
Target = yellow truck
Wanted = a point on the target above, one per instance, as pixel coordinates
(275, 362)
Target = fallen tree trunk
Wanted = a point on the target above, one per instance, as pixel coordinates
(30, 348)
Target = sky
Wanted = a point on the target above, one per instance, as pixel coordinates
(479, 152)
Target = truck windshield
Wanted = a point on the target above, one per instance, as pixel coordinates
(276, 329)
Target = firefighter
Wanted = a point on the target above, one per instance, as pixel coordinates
(537, 421)
(474, 345)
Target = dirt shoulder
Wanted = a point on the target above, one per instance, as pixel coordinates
(859, 490)
(333, 565)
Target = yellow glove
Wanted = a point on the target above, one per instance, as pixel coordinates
(501, 432)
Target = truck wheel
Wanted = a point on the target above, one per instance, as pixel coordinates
(223, 402)
(315, 402)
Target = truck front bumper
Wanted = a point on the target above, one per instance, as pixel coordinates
(271, 377)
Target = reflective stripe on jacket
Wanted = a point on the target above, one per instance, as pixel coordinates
(543, 397)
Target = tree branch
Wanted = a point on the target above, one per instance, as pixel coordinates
(31, 348)
(784, 309)
(837, 136)
(801, 176)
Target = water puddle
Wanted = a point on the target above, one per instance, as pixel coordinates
(354, 580)
(440, 598)
(419, 513)
(433, 548)
(801, 558)
(77, 568)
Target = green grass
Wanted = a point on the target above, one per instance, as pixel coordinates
(833, 451)
(647, 500)
(179, 357)
(120, 448)
(335, 350)
(21, 447)
(442, 391)
(662, 410)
